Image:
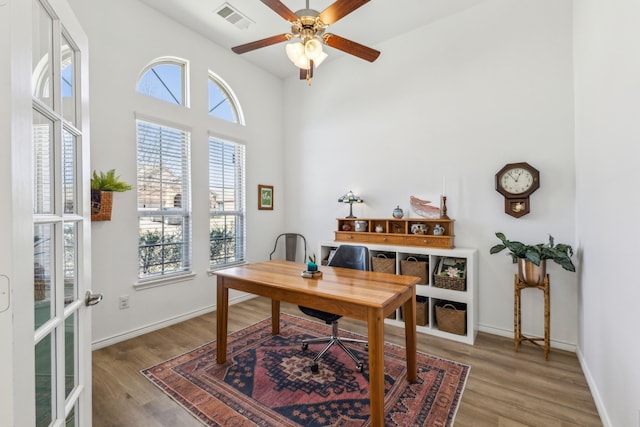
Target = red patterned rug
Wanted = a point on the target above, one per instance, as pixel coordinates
(267, 381)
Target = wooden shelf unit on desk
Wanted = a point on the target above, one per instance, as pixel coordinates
(396, 232)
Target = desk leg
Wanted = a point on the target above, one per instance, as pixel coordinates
(410, 338)
(222, 311)
(376, 366)
(275, 317)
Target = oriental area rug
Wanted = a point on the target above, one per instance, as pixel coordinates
(267, 381)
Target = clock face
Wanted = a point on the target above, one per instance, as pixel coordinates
(516, 180)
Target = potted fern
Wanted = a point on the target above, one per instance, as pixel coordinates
(102, 187)
(531, 259)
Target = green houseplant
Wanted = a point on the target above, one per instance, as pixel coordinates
(108, 182)
(536, 254)
(102, 187)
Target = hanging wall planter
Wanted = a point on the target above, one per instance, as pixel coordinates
(101, 204)
(102, 188)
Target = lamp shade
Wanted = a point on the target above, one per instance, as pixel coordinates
(313, 49)
(320, 59)
(294, 51)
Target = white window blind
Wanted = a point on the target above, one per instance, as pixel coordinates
(227, 203)
(164, 200)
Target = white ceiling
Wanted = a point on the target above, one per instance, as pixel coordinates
(371, 24)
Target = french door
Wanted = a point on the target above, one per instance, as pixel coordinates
(61, 221)
(46, 272)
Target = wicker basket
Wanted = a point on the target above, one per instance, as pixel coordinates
(413, 267)
(382, 264)
(422, 310)
(450, 282)
(446, 282)
(451, 318)
(101, 204)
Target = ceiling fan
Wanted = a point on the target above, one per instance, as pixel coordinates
(309, 26)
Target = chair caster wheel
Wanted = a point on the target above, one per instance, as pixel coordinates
(360, 367)
(305, 346)
(314, 368)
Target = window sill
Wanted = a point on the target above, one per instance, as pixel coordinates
(154, 283)
(212, 271)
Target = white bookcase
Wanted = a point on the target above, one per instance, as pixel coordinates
(467, 299)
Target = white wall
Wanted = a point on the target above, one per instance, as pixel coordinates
(124, 37)
(458, 99)
(607, 61)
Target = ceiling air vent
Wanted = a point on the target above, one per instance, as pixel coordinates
(232, 15)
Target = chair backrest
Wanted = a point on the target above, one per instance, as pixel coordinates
(290, 246)
(349, 256)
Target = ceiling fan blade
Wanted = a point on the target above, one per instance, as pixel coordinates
(248, 47)
(339, 9)
(303, 72)
(282, 10)
(351, 47)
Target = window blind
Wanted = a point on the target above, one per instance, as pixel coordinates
(227, 202)
(164, 200)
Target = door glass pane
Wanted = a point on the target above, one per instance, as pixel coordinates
(70, 371)
(69, 177)
(45, 384)
(70, 262)
(67, 56)
(42, 164)
(71, 420)
(42, 72)
(43, 273)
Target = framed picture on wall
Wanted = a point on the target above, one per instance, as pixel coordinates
(265, 197)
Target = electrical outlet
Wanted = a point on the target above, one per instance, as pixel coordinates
(124, 301)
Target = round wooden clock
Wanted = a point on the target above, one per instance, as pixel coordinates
(516, 182)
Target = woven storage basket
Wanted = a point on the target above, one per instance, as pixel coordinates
(451, 319)
(422, 310)
(413, 267)
(383, 264)
(101, 204)
(39, 287)
(39, 283)
(448, 282)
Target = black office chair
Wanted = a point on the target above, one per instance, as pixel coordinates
(290, 246)
(347, 256)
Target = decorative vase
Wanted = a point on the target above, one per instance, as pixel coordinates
(530, 273)
(398, 213)
(312, 266)
(379, 228)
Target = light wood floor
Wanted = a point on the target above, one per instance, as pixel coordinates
(504, 388)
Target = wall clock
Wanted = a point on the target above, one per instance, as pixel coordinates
(516, 182)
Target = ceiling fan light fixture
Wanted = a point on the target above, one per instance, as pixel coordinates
(294, 51)
(313, 49)
(320, 59)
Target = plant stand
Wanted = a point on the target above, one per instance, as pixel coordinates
(517, 318)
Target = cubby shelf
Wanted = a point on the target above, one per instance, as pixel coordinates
(434, 295)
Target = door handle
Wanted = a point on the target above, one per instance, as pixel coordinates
(91, 298)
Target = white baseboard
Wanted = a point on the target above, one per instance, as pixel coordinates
(105, 342)
(509, 334)
(602, 410)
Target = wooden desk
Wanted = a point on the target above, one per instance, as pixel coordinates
(363, 295)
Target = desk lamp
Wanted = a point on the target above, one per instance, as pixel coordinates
(351, 199)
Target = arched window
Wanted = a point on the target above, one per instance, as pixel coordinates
(165, 79)
(223, 103)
